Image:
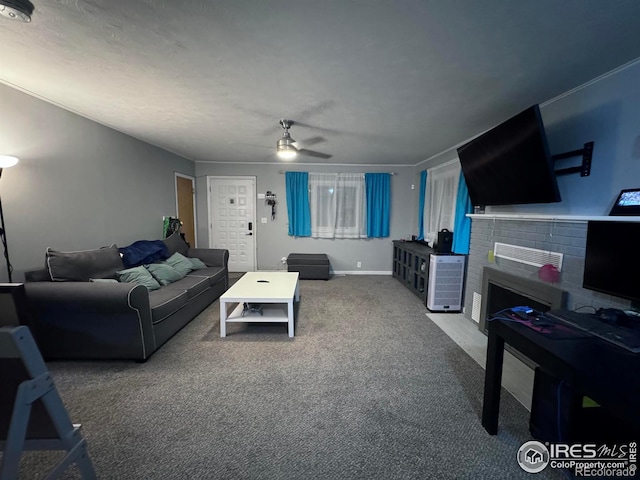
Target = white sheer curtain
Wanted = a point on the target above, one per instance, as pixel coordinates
(440, 199)
(351, 211)
(322, 200)
(338, 206)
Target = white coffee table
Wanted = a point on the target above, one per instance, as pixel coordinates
(275, 291)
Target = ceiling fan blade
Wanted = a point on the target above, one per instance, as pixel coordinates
(330, 131)
(309, 142)
(312, 153)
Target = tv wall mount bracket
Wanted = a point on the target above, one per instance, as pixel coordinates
(585, 169)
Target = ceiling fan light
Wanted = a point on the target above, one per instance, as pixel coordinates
(285, 148)
(7, 161)
(287, 154)
(20, 10)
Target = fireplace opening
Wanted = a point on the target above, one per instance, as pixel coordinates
(502, 290)
(501, 298)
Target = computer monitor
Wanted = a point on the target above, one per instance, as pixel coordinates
(612, 258)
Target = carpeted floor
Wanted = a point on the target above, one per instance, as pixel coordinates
(369, 388)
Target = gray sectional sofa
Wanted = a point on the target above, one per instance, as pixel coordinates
(94, 318)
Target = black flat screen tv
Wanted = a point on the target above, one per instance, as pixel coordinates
(612, 259)
(510, 164)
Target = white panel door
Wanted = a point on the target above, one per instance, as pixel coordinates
(232, 223)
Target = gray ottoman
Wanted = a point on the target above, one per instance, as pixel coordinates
(311, 266)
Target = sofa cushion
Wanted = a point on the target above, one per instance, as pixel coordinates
(192, 285)
(165, 302)
(82, 265)
(175, 243)
(164, 273)
(181, 263)
(213, 274)
(139, 275)
(197, 263)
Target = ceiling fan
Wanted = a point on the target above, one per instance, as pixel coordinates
(288, 148)
(20, 10)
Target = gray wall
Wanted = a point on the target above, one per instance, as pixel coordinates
(607, 112)
(273, 241)
(79, 185)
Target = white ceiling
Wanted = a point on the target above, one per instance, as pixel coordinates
(370, 81)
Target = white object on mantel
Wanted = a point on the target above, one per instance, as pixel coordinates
(550, 218)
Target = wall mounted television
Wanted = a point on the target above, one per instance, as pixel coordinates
(612, 259)
(510, 164)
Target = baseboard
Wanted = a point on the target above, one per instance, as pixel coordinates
(361, 272)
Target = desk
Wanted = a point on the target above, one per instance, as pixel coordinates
(604, 372)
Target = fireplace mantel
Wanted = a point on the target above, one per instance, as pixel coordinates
(548, 218)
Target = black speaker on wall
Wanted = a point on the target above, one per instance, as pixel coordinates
(444, 242)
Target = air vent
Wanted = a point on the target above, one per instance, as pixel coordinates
(475, 309)
(530, 256)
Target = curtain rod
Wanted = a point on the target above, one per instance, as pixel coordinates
(390, 173)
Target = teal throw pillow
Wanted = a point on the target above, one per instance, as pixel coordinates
(103, 280)
(164, 273)
(197, 263)
(181, 263)
(138, 275)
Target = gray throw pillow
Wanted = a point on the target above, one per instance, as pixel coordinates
(197, 263)
(175, 244)
(181, 263)
(83, 265)
(164, 273)
(138, 275)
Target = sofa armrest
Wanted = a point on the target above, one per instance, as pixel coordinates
(92, 296)
(212, 257)
(91, 320)
(37, 275)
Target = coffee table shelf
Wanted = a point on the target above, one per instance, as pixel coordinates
(271, 312)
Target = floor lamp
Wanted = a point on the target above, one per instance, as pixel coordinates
(5, 162)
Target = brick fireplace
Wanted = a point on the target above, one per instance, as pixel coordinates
(566, 236)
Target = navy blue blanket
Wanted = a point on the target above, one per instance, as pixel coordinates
(143, 252)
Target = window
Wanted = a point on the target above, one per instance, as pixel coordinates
(337, 205)
(440, 201)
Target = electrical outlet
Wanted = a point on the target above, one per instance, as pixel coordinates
(263, 219)
(359, 264)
